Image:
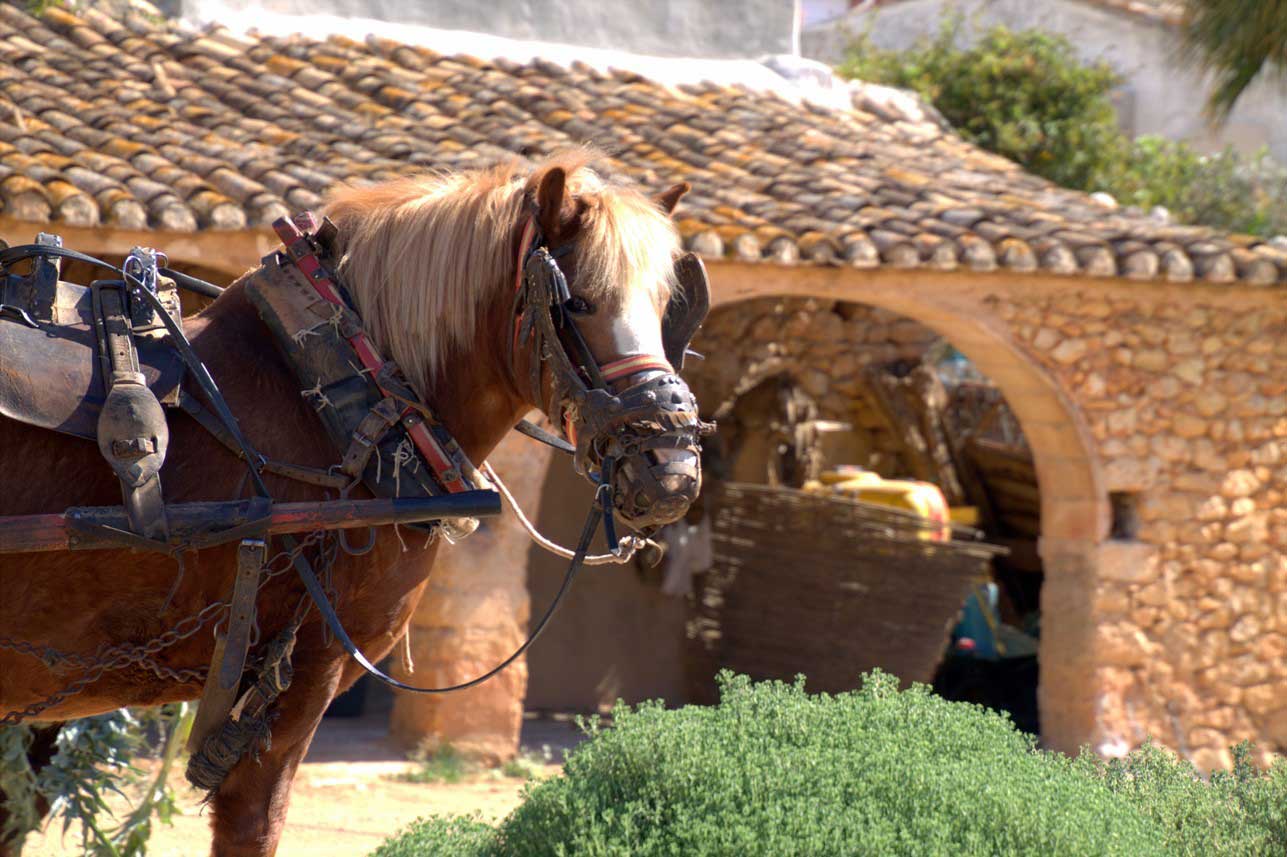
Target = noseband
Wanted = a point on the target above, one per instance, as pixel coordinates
(612, 433)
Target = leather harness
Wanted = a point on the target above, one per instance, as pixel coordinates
(388, 438)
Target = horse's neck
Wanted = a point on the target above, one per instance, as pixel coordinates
(470, 398)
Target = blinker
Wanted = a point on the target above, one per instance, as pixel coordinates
(687, 309)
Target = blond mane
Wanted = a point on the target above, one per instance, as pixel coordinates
(423, 255)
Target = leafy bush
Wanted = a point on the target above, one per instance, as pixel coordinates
(1238, 813)
(463, 836)
(1023, 95)
(438, 764)
(93, 758)
(1026, 96)
(773, 770)
(1230, 191)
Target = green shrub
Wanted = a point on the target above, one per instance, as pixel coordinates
(437, 764)
(1239, 813)
(93, 758)
(1023, 95)
(773, 770)
(462, 836)
(1026, 96)
(1230, 191)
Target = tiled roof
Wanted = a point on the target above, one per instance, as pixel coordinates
(137, 123)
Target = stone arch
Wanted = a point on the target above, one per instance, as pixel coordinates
(1075, 518)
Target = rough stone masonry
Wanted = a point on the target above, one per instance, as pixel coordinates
(1186, 405)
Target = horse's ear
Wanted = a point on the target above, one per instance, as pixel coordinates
(667, 200)
(549, 201)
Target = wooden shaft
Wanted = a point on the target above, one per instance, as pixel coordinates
(90, 527)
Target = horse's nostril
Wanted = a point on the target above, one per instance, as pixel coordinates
(668, 509)
(674, 484)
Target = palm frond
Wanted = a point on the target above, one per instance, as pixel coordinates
(1237, 41)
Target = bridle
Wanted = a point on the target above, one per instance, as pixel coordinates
(613, 434)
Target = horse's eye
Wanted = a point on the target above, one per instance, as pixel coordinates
(578, 305)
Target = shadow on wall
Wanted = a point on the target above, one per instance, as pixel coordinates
(616, 635)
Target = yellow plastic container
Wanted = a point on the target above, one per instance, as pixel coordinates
(921, 498)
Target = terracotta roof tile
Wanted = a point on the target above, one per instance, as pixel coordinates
(132, 122)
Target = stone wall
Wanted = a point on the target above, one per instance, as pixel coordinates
(474, 613)
(1187, 402)
(1169, 621)
(821, 346)
(824, 345)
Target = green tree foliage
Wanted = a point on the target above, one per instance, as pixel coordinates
(1229, 191)
(1236, 40)
(1025, 95)
(773, 770)
(93, 759)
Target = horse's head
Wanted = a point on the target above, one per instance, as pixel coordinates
(604, 309)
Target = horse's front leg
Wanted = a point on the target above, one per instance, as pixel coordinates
(250, 806)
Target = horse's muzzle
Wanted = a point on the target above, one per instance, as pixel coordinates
(655, 488)
(651, 433)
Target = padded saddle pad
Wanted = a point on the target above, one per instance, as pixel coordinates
(52, 377)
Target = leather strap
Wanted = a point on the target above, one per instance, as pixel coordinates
(535, 432)
(633, 365)
(251, 555)
(373, 427)
(447, 463)
(229, 659)
(318, 594)
(298, 472)
(29, 251)
(130, 447)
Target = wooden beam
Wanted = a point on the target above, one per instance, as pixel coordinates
(231, 252)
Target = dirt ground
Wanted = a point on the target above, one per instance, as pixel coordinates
(345, 803)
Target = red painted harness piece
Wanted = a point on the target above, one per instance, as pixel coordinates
(294, 234)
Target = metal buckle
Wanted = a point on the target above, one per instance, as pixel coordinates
(141, 272)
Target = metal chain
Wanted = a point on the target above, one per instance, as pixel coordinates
(126, 655)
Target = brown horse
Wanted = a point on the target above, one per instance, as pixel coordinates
(431, 265)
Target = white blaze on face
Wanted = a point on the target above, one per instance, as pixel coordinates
(637, 328)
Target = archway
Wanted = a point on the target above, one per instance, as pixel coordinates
(968, 311)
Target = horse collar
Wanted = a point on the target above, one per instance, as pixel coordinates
(388, 436)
